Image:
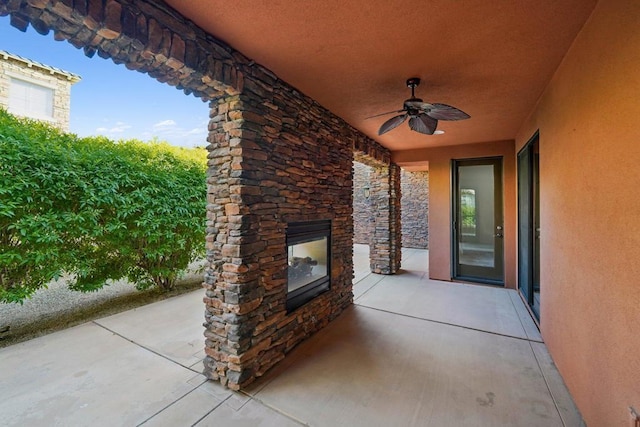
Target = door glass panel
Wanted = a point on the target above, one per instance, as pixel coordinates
(525, 224)
(536, 225)
(529, 224)
(477, 246)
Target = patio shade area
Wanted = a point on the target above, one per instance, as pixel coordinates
(411, 352)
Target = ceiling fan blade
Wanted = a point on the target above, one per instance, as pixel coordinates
(384, 114)
(423, 124)
(418, 105)
(446, 112)
(392, 123)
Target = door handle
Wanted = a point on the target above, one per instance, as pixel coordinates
(499, 235)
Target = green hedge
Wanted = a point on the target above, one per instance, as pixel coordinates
(95, 209)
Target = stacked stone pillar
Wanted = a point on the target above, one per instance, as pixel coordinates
(415, 209)
(274, 158)
(385, 250)
(362, 213)
(232, 280)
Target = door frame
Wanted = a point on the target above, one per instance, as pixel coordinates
(498, 163)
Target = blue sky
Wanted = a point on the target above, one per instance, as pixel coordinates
(111, 100)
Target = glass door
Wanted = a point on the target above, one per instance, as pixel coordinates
(529, 224)
(478, 246)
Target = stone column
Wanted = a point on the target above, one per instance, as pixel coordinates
(415, 209)
(386, 245)
(362, 212)
(232, 281)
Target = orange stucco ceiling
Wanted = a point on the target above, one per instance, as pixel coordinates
(490, 58)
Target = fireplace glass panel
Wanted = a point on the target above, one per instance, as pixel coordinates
(307, 262)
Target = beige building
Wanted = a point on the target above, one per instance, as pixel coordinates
(38, 91)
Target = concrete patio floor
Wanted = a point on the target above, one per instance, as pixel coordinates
(410, 352)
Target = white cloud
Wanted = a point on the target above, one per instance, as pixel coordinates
(164, 124)
(198, 131)
(119, 127)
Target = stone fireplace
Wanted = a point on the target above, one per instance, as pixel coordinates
(280, 226)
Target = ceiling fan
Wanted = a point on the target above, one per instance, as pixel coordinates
(423, 117)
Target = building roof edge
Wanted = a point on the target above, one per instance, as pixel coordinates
(74, 78)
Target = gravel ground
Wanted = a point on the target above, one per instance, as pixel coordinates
(57, 307)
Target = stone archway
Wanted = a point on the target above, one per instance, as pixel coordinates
(150, 38)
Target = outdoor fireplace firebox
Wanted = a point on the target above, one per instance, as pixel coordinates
(309, 255)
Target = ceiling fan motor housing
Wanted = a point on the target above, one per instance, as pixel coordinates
(413, 82)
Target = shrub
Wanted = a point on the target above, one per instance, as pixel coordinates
(94, 208)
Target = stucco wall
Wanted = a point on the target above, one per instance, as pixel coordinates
(439, 159)
(590, 214)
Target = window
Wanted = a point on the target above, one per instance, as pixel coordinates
(30, 100)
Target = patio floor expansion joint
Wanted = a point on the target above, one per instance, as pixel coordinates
(447, 323)
(144, 347)
(176, 401)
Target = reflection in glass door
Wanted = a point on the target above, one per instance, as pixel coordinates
(478, 223)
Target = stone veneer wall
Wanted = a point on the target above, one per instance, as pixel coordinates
(415, 209)
(414, 203)
(385, 250)
(362, 213)
(275, 156)
(61, 85)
